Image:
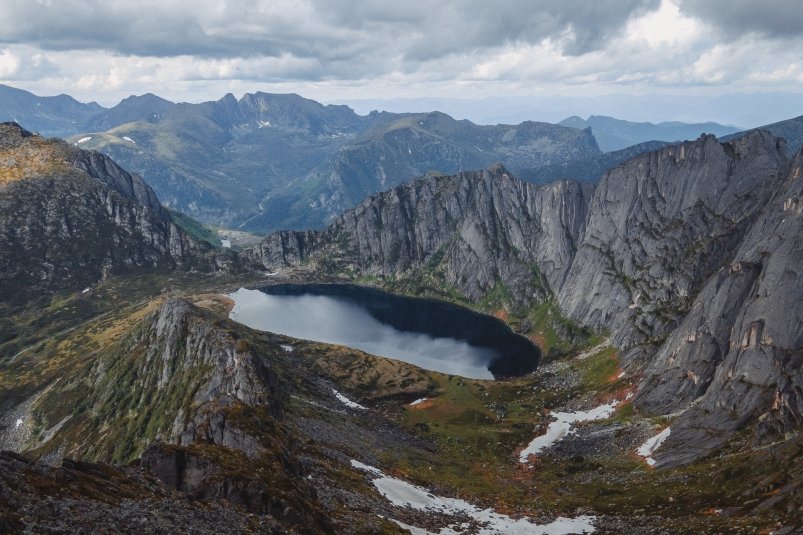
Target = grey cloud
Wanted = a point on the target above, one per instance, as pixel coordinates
(381, 34)
(778, 18)
(429, 30)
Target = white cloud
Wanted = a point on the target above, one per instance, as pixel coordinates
(9, 64)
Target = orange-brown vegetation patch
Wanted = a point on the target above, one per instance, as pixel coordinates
(537, 339)
(33, 157)
(421, 406)
(502, 314)
(619, 394)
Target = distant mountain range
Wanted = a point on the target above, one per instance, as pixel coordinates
(791, 130)
(59, 116)
(615, 134)
(267, 162)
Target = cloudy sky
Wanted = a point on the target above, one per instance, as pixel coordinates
(515, 54)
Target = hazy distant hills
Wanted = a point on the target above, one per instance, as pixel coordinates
(134, 108)
(615, 134)
(588, 169)
(266, 161)
(396, 148)
(51, 116)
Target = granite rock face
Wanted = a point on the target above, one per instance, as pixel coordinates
(737, 357)
(659, 226)
(482, 227)
(69, 218)
(689, 256)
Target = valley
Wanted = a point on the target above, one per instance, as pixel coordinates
(639, 371)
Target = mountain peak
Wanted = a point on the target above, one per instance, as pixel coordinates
(12, 131)
(497, 169)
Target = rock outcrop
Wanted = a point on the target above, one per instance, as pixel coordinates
(89, 498)
(69, 218)
(198, 399)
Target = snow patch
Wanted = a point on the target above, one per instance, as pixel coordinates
(287, 348)
(653, 443)
(418, 401)
(83, 140)
(19, 423)
(129, 140)
(226, 243)
(562, 426)
(403, 494)
(85, 290)
(346, 401)
(367, 468)
(264, 124)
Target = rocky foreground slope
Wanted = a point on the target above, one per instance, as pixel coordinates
(682, 255)
(69, 218)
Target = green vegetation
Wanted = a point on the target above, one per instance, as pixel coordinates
(195, 229)
(599, 369)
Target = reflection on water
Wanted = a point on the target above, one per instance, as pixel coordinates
(337, 321)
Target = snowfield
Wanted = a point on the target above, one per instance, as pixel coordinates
(653, 443)
(562, 426)
(403, 494)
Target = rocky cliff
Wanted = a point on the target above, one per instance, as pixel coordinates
(736, 359)
(475, 228)
(660, 225)
(677, 254)
(69, 218)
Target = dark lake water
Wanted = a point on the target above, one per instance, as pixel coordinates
(428, 333)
